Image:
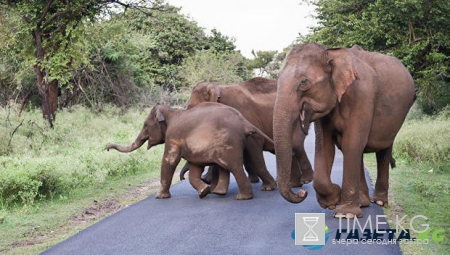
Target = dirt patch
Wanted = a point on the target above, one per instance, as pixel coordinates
(39, 236)
(102, 209)
(98, 210)
(88, 216)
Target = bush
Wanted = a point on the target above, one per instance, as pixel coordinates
(210, 65)
(42, 162)
(425, 140)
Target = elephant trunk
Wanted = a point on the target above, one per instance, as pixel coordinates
(140, 140)
(283, 120)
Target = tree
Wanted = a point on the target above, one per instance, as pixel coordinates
(415, 31)
(210, 65)
(52, 31)
(174, 37)
(135, 58)
(260, 61)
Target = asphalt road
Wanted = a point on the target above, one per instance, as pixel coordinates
(186, 224)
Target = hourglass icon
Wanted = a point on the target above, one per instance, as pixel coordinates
(310, 235)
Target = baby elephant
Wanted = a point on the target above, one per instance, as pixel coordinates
(208, 134)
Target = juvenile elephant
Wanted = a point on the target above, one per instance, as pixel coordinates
(208, 134)
(358, 100)
(255, 100)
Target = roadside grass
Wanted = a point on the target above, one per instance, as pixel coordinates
(48, 177)
(420, 184)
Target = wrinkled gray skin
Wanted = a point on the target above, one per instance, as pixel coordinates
(255, 100)
(209, 134)
(358, 101)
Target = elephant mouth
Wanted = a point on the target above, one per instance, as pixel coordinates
(305, 117)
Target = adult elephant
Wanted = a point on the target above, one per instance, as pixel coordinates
(358, 100)
(255, 100)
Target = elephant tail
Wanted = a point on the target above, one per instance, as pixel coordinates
(184, 170)
(251, 129)
(392, 162)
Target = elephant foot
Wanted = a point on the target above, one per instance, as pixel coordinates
(268, 186)
(332, 200)
(253, 178)
(348, 211)
(307, 176)
(364, 199)
(162, 195)
(220, 191)
(379, 199)
(242, 196)
(203, 192)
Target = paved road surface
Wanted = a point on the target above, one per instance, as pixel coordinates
(185, 224)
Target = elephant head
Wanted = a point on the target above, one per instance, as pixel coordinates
(204, 92)
(310, 86)
(153, 131)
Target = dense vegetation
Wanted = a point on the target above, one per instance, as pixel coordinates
(135, 56)
(111, 63)
(40, 163)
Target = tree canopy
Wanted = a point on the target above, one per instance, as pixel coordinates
(415, 31)
(100, 51)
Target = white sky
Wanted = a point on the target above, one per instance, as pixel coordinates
(260, 25)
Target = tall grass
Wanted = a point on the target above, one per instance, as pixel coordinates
(425, 140)
(38, 162)
(420, 185)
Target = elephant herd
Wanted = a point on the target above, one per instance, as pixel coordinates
(357, 99)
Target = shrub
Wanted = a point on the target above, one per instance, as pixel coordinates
(425, 141)
(42, 162)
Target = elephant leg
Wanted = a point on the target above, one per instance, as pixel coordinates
(249, 167)
(380, 196)
(195, 173)
(256, 162)
(244, 185)
(363, 188)
(214, 169)
(221, 180)
(208, 177)
(328, 194)
(352, 140)
(171, 158)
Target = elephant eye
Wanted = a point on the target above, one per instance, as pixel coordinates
(304, 84)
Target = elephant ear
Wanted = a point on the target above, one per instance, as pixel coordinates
(213, 92)
(159, 115)
(343, 70)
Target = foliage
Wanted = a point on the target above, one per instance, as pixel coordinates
(261, 61)
(127, 58)
(426, 141)
(210, 65)
(415, 31)
(40, 163)
(173, 37)
(53, 30)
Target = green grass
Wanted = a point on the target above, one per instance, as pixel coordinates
(49, 175)
(420, 184)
